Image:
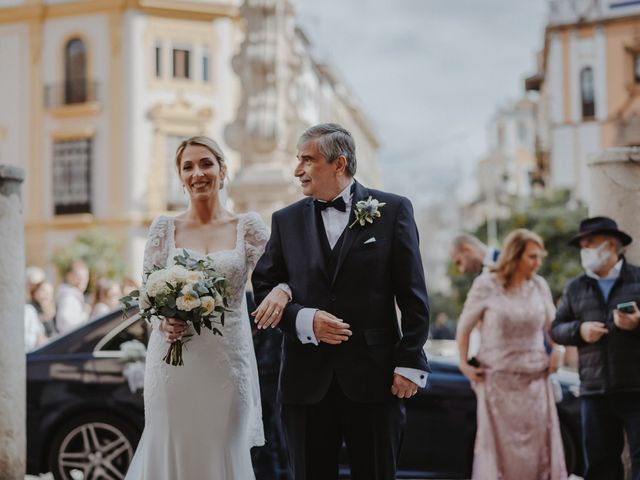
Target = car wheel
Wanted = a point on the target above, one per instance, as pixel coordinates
(91, 446)
(570, 450)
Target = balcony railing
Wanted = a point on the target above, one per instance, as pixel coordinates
(70, 92)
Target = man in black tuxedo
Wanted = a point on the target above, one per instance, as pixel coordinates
(347, 363)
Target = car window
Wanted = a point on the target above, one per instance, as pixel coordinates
(132, 329)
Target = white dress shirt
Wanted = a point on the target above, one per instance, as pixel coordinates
(335, 222)
(71, 310)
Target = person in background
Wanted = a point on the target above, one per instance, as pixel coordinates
(71, 309)
(42, 299)
(129, 285)
(598, 313)
(34, 334)
(518, 432)
(107, 297)
(441, 329)
(470, 255)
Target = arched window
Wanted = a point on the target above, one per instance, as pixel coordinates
(587, 93)
(75, 71)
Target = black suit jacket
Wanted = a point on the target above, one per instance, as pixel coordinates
(368, 281)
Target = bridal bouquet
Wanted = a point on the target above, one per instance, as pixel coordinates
(190, 290)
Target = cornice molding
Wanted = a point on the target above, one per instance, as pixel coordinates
(189, 10)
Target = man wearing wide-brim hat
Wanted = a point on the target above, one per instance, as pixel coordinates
(599, 314)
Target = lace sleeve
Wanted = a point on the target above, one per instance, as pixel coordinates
(156, 249)
(256, 235)
(156, 252)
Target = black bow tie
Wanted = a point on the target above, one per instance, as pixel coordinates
(337, 203)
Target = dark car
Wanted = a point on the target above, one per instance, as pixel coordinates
(84, 420)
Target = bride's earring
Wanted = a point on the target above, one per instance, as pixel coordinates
(184, 189)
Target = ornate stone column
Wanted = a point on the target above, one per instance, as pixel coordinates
(12, 358)
(615, 191)
(266, 126)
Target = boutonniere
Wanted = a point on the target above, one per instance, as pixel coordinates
(367, 211)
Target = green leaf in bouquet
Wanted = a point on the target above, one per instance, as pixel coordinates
(216, 331)
(197, 327)
(201, 288)
(207, 322)
(222, 319)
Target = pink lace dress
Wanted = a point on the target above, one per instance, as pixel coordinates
(518, 434)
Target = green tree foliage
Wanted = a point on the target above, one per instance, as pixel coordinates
(101, 252)
(555, 217)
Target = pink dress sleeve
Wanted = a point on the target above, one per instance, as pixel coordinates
(476, 303)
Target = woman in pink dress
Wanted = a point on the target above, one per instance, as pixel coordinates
(518, 434)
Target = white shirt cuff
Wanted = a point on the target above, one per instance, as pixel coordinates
(285, 288)
(304, 325)
(419, 377)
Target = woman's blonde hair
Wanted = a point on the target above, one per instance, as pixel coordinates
(512, 251)
(209, 144)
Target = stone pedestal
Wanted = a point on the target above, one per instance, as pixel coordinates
(615, 192)
(12, 355)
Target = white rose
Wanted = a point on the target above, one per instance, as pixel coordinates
(178, 274)
(209, 304)
(194, 276)
(188, 300)
(156, 283)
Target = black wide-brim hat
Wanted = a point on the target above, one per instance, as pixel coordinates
(599, 226)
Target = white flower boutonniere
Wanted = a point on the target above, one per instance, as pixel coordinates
(367, 211)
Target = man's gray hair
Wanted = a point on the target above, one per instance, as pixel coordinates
(467, 239)
(333, 141)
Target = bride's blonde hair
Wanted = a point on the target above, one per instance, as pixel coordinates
(209, 144)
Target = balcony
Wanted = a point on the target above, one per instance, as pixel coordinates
(72, 98)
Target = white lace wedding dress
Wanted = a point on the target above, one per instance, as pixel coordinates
(202, 418)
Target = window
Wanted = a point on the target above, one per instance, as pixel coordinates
(176, 197)
(587, 93)
(72, 176)
(136, 330)
(158, 51)
(181, 63)
(75, 72)
(205, 67)
(636, 67)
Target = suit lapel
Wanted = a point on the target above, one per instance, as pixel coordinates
(350, 234)
(311, 231)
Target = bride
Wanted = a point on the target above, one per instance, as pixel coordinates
(201, 419)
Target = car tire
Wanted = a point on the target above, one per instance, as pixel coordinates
(99, 444)
(570, 450)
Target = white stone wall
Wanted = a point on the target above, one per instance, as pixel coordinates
(554, 80)
(563, 157)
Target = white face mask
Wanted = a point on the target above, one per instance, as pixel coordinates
(593, 259)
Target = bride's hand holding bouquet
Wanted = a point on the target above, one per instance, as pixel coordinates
(190, 292)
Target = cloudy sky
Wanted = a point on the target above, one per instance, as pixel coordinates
(429, 74)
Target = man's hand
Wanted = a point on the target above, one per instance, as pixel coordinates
(627, 321)
(591, 332)
(269, 313)
(173, 328)
(403, 387)
(329, 329)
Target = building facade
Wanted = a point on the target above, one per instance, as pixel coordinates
(97, 94)
(508, 170)
(589, 81)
